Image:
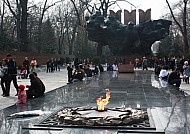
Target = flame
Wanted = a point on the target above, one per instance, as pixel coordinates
(103, 102)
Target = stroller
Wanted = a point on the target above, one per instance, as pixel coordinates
(23, 73)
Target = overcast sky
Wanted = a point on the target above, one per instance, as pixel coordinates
(158, 7)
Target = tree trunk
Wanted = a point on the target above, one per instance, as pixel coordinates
(183, 28)
(185, 35)
(24, 34)
(40, 28)
(186, 45)
(18, 27)
(2, 14)
(17, 15)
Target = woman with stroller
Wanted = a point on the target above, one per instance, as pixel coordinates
(23, 72)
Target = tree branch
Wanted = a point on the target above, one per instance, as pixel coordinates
(9, 6)
(77, 12)
(52, 4)
(175, 20)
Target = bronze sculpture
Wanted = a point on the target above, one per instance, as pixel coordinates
(126, 39)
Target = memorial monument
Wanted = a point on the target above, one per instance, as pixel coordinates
(125, 39)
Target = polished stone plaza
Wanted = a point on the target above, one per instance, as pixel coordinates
(169, 108)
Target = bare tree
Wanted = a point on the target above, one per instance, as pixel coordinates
(60, 31)
(183, 26)
(23, 28)
(20, 14)
(102, 6)
(17, 15)
(66, 23)
(44, 9)
(2, 14)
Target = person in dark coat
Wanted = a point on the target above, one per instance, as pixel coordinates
(174, 78)
(55, 64)
(12, 73)
(88, 71)
(79, 73)
(26, 63)
(36, 87)
(43, 86)
(48, 69)
(70, 73)
(59, 64)
(52, 65)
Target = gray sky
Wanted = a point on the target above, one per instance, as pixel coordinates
(158, 7)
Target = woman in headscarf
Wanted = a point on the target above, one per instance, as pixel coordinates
(36, 87)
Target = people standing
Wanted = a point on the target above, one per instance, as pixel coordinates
(136, 63)
(172, 64)
(114, 67)
(48, 64)
(4, 76)
(12, 73)
(52, 65)
(55, 64)
(26, 63)
(144, 63)
(59, 64)
(33, 65)
(70, 73)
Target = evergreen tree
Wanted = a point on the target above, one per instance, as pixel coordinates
(7, 43)
(48, 38)
(170, 46)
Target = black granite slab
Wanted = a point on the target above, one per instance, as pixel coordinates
(171, 108)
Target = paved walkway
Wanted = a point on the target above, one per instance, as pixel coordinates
(51, 80)
(169, 107)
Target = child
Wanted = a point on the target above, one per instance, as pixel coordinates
(22, 97)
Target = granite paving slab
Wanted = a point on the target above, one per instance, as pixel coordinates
(170, 108)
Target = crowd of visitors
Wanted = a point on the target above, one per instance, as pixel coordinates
(8, 73)
(27, 67)
(180, 70)
(81, 72)
(78, 71)
(170, 70)
(53, 65)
